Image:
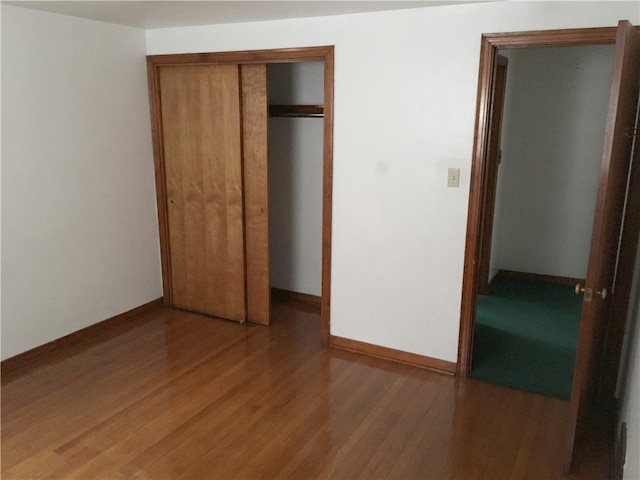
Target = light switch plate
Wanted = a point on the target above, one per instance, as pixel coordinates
(453, 177)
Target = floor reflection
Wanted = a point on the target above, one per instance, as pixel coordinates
(179, 395)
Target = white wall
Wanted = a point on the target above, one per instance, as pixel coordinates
(295, 180)
(553, 133)
(630, 401)
(405, 93)
(629, 378)
(405, 99)
(80, 238)
(78, 213)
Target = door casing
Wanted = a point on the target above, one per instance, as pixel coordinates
(291, 55)
(490, 45)
(493, 161)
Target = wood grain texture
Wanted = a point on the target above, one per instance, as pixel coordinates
(200, 108)
(623, 288)
(606, 232)
(256, 191)
(23, 359)
(573, 281)
(548, 38)
(488, 54)
(393, 354)
(178, 395)
(289, 296)
(303, 111)
(153, 79)
(281, 55)
(327, 193)
(493, 163)
(155, 63)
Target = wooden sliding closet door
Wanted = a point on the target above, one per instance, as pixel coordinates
(203, 173)
(255, 118)
(201, 115)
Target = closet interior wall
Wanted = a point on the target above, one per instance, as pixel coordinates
(295, 179)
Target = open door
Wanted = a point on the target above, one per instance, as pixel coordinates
(599, 289)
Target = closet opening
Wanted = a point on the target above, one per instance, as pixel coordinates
(220, 123)
(295, 138)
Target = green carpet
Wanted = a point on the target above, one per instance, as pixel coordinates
(525, 336)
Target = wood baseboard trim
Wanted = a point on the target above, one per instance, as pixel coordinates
(536, 276)
(288, 295)
(74, 338)
(441, 366)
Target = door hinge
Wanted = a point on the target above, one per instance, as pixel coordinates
(631, 132)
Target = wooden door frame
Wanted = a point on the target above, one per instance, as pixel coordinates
(289, 55)
(493, 162)
(490, 45)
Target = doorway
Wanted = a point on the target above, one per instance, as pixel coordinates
(490, 46)
(614, 238)
(548, 157)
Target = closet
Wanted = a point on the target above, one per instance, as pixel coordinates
(210, 117)
(295, 178)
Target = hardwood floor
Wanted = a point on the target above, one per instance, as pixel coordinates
(177, 395)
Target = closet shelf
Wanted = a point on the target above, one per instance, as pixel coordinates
(312, 111)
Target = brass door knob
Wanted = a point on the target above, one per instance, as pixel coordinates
(589, 292)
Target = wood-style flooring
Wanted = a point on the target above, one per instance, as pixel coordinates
(178, 395)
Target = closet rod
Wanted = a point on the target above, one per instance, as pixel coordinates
(312, 111)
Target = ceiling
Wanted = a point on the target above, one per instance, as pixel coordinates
(166, 14)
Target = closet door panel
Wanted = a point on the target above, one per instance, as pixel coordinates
(255, 122)
(200, 108)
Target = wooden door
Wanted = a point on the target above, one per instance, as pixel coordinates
(606, 232)
(255, 118)
(204, 146)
